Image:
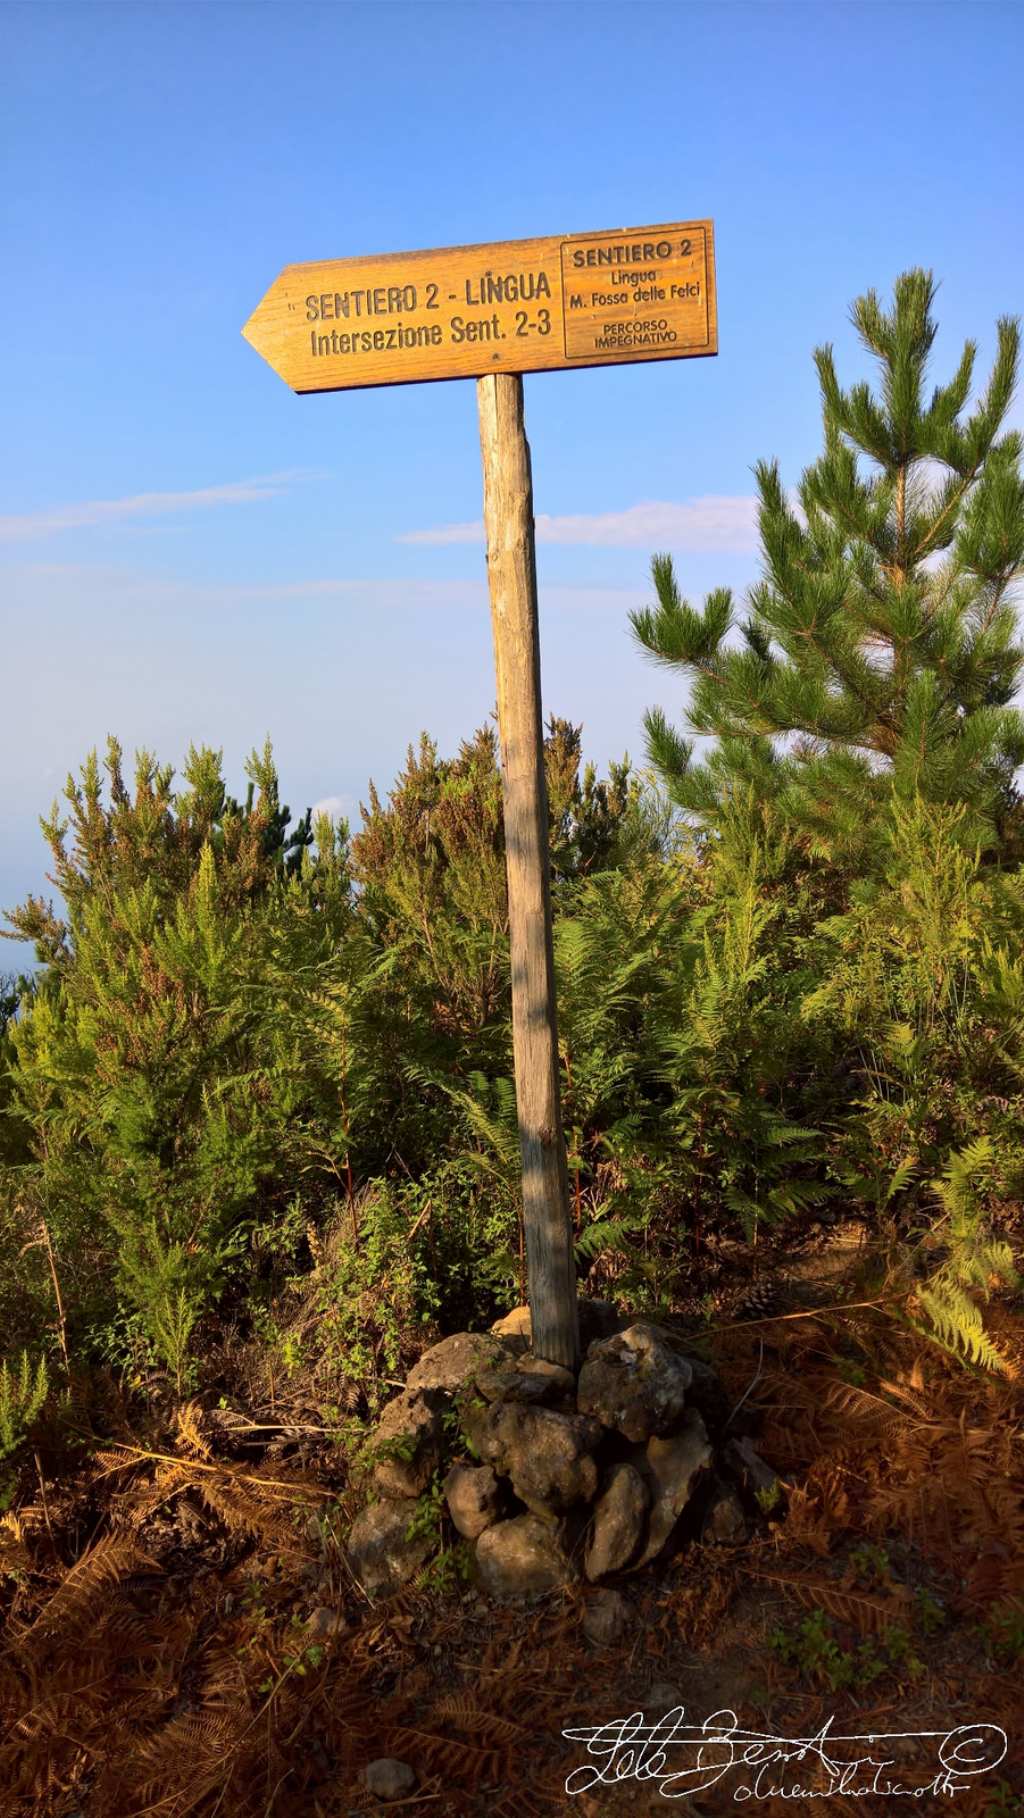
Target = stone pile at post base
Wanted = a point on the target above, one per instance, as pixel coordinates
(547, 1477)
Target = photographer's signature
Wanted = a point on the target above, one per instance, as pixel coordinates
(686, 1758)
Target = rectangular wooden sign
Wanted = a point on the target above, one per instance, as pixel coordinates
(602, 299)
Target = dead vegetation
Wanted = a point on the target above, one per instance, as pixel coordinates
(184, 1637)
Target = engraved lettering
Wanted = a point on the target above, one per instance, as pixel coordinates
(509, 287)
(489, 329)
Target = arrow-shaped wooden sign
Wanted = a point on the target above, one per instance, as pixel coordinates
(638, 293)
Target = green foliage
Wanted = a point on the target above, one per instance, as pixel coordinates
(262, 1080)
(974, 1258)
(359, 1315)
(879, 656)
(1003, 1802)
(922, 984)
(1004, 1633)
(148, 1061)
(816, 1649)
(23, 1392)
(769, 1497)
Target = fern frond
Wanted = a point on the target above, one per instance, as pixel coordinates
(91, 1578)
(190, 1433)
(955, 1322)
(870, 1614)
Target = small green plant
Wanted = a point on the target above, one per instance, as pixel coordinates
(817, 1651)
(930, 1613)
(305, 1661)
(871, 1565)
(450, 1570)
(22, 1394)
(813, 1649)
(1003, 1802)
(426, 1517)
(768, 1497)
(1004, 1633)
(899, 1646)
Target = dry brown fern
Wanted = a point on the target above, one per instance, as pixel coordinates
(464, 1711)
(190, 1430)
(468, 1765)
(870, 1613)
(89, 1581)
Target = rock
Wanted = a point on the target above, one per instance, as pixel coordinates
(521, 1558)
(406, 1443)
(383, 1557)
(528, 1379)
(546, 1454)
(673, 1466)
(607, 1617)
(634, 1383)
(514, 1329)
(706, 1392)
(456, 1359)
(388, 1778)
(749, 1468)
(724, 1521)
(514, 1384)
(324, 1623)
(618, 1526)
(560, 1379)
(663, 1696)
(474, 1498)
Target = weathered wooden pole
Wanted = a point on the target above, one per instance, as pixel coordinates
(512, 577)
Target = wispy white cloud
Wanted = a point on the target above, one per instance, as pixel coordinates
(89, 513)
(35, 584)
(714, 522)
(337, 807)
(446, 534)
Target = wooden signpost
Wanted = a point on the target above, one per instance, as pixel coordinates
(492, 313)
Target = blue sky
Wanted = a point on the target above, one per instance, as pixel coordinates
(190, 552)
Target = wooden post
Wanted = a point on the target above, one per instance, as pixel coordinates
(512, 577)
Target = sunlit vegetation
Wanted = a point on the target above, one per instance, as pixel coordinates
(258, 1145)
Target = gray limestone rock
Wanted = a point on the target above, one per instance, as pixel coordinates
(406, 1443)
(515, 1384)
(383, 1557)
(724, 1521)
(456, 1360)
(547, 1455)
(673, 1467)
(323, 1624)
(529, 1379)
(597, 1319)
(474, 1498)
(748, 1468)
(389, 1779)
(633, 1383)
(514, 1329)
(606, 1617)
(521, 1558)
(620, 1514)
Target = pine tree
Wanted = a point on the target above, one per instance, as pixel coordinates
(879, 656)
